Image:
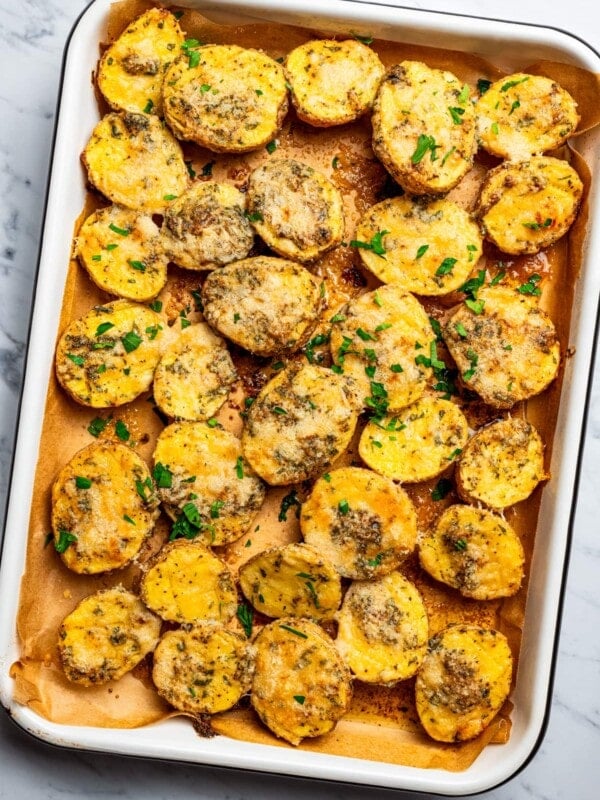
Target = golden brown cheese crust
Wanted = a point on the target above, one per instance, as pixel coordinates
(463, 682)
(108, 356)
(423, 128)
(507, 353)
(299, 423)
(135, 161)
(301, 685)
(383, 629)
(105, 636)
(296, 210)
(232, 101)
(266, 305)
(360, 521)
(526, 206)
(474, 551)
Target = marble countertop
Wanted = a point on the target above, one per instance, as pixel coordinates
(567, 765)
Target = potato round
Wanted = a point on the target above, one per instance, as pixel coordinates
(526, 206)
(296, 210)
(299, 423)
(205, 482)
(430, 246)
(105, 636)
(463, 682)
(507, 353)
(360, 521)
(266, 305)
(333, 82)
(206, 227)
(417, 443)
(203, 670)
(502, 464)
(185, 582)
(135, 161)
(108, 356)
(231, 101)
(194, 375)
(98, 498)
(521, 115)
(474, 551)
(292, 579)
(301, 686)
(423, 128)
(383, 629)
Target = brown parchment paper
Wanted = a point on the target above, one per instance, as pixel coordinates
(381, 724)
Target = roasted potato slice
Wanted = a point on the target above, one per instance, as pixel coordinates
(463, 682)
(135, 161)
(417, 443)
(203, 670)
(474, 551)
(103, 508)
(206, 227)
(205, 483)
(266, 305)
(296, 210)
(225, 98)
(185, 582)
(301, 686)
(502, 464)
(423, 128)
(292, 579)
(429, 247)
(528, 205)
(507, 353)
(360, 521)
(383, 629)
(194, 375)
(105, 636)
(108, 356)
(130, 73)
(521, 115)
(333, 82)
(299, 423)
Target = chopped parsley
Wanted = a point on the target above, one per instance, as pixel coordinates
(509, 84)
(461, 330)
(316, 341)
(122, 431)
(335, 162)
(82, 483)
(473, 361)
(156, 305)
(278, 410)
(246, 617)
(162, 475)
(288, 502)
(464, 94)
(483, 85)
(299, 698)
(396, 368)
(441, 489)
(362, 39)
(254, 216)
(120, 231)
(375, 245)
(131, 341)
(514, 107)
(294, 631)
(272, 146)
(497, 278)
(148, 107)
(97, 425)
(460, 544)
(239, 467)
(422, 250)
(190, 168)
(456, 114)
(494, 128)
(425, 144)
(343, 507)
(377, 299)
(103, 327)
(375, 562)
(215, 508)
(365, 335)
(446, 266)
(536, 226)
(153, 330)
(79, 360)
(65, 540)
(128, 519)
(531, 287)
(207, 169)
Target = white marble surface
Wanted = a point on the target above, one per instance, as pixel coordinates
(567, 765)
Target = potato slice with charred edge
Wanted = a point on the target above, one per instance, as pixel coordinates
(502, 464)
(130, 73)
(225, 98)
(194, 375)
(520, 115)
(383, 629)
(301, 686)
(135, 161)
(203, 670)
(507, 353)
(185, 582)
(292, 579)
(463, 682)
(108, 356)
(299, 423)
(105, 636)
(360, 521)
(103, 508)
(423, 128)
(206, 227)
(265, 305)
(474, 551)
(205, 483)
(417, 443)
(296, 210)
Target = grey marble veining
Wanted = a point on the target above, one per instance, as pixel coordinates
(567, 764)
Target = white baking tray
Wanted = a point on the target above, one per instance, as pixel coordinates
(508, 45)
